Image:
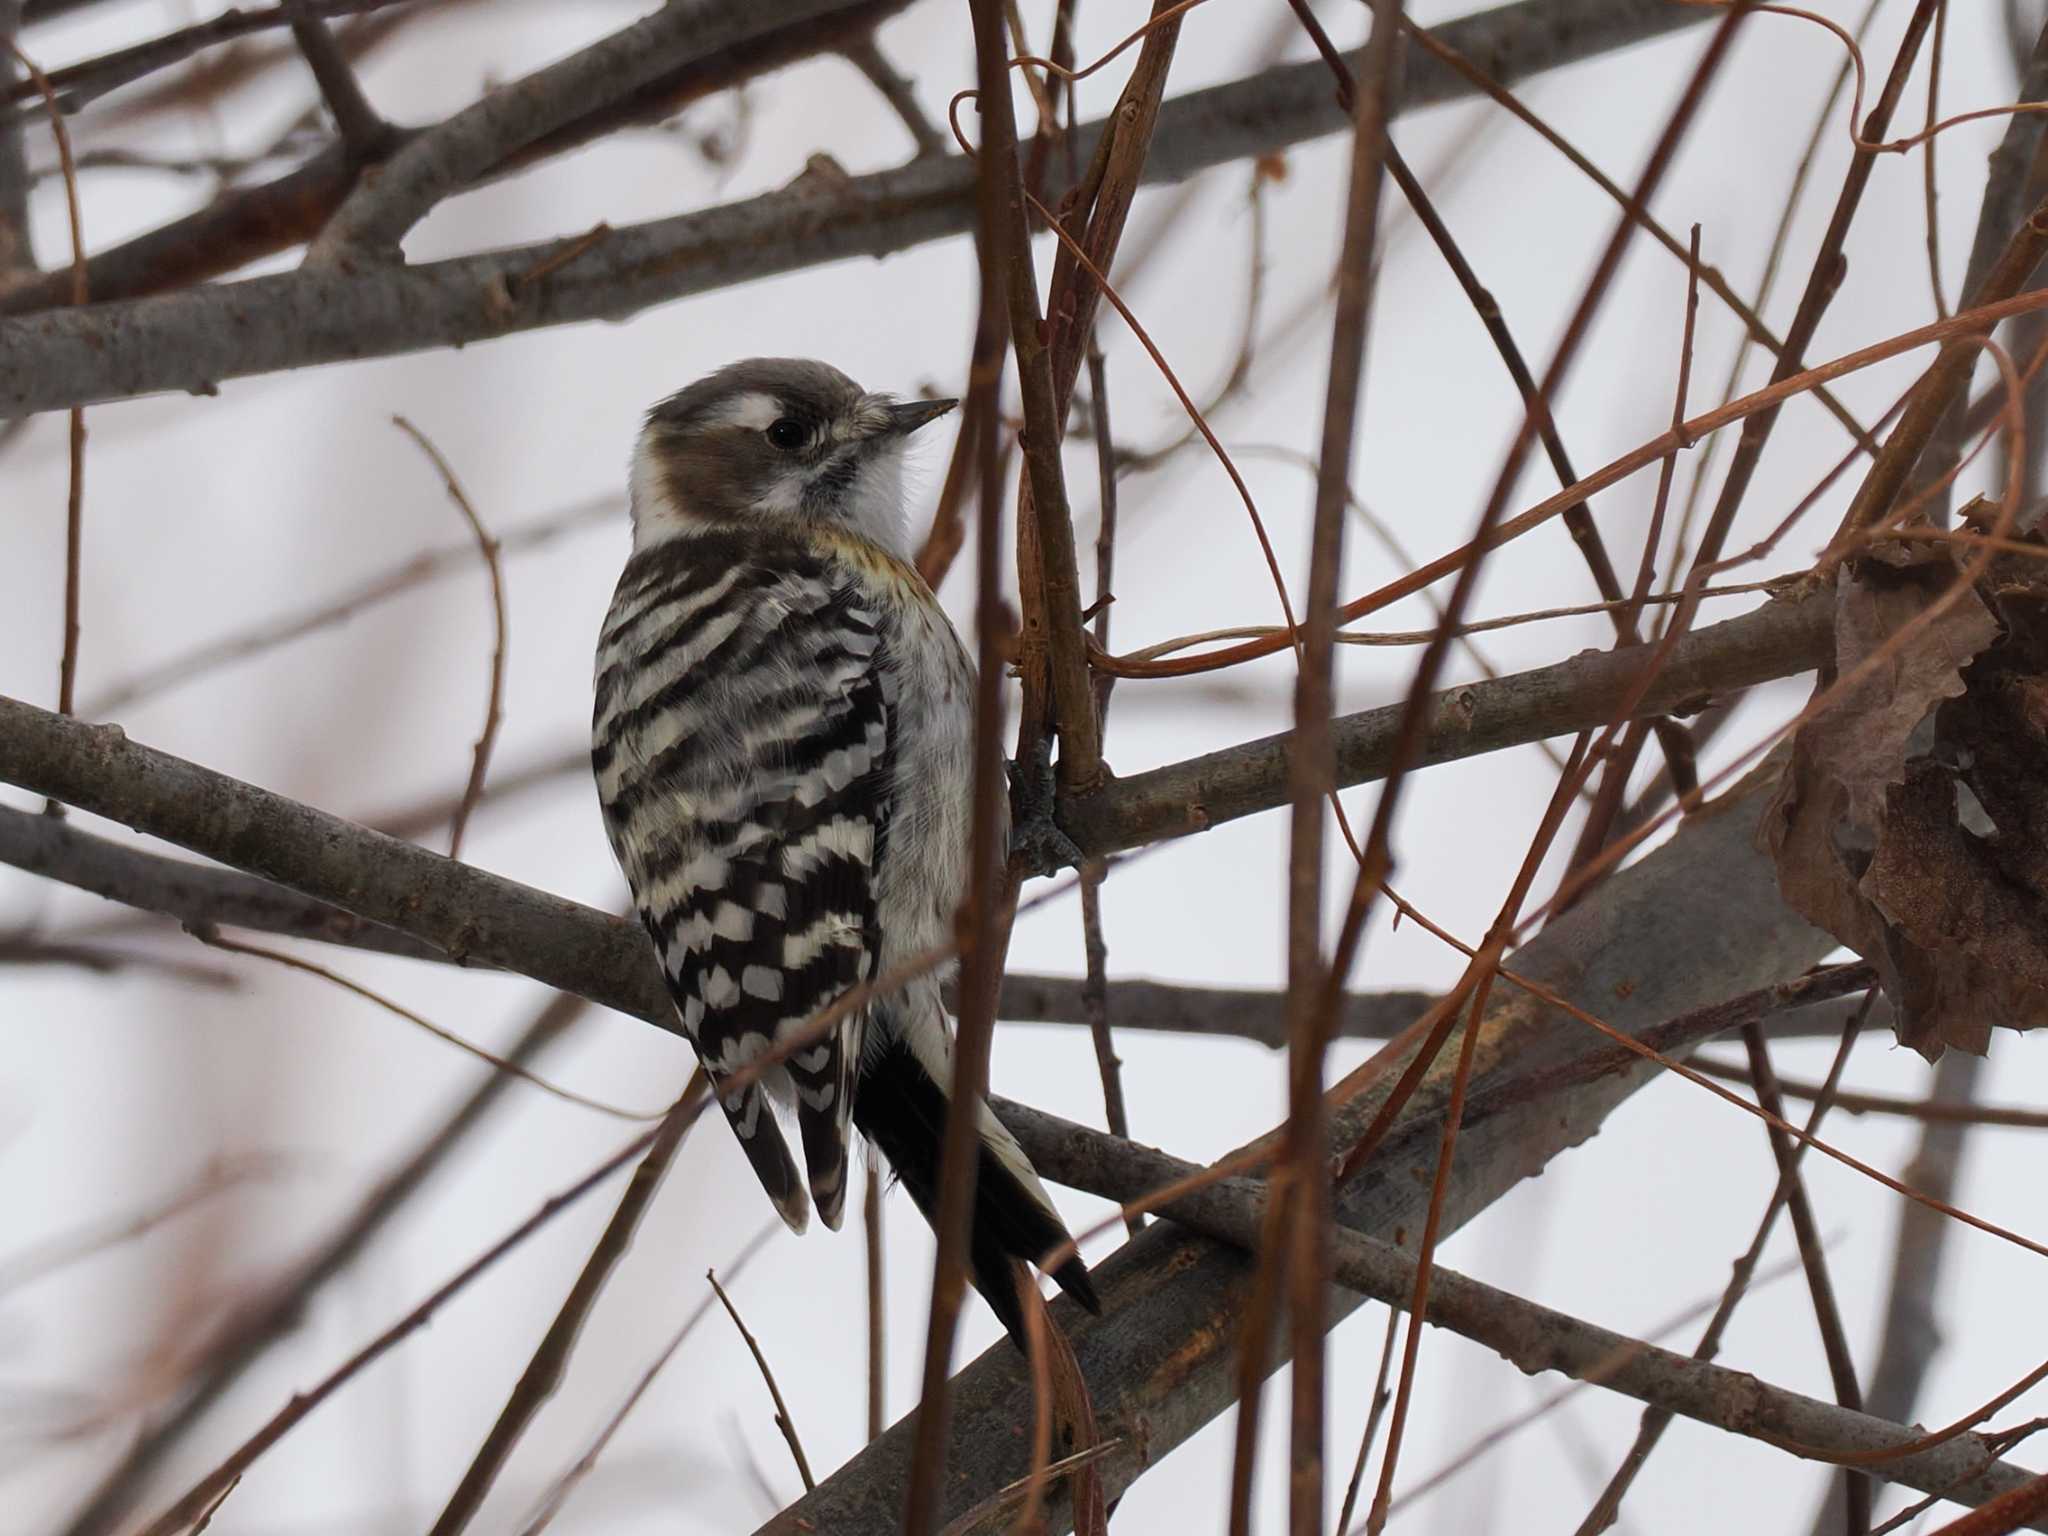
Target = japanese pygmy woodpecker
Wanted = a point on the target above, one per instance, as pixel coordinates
(784, 749)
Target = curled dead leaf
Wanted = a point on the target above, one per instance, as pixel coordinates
(1913, 821)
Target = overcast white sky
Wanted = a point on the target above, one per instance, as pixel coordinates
(206, 514)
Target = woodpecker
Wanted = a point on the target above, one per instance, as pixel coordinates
(783, 743)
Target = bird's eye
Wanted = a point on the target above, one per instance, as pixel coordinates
(786, 433)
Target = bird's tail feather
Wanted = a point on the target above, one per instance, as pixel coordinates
(901, 1108)
(753, 1122)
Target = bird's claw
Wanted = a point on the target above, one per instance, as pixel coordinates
(1036, 840)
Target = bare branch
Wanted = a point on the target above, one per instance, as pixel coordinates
(566, 1484)
(783, 1421)
(1528, 1335)
(364, 134)
(79, 85)
(494, 697)
(430, 565)
(192, 341)
(865, 55)
(454, 154)
(550, 1362)
(1569, 696)
(236, 229)
(1912, 1332)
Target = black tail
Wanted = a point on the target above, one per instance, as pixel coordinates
(902, 1110)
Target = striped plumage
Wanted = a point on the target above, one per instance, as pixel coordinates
(783, 748)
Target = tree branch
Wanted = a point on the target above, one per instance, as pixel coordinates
(259, 221)
(1529, 1336)
(1693, 921)
(364, 134)
(193, 340)
(458, 152)
(1574, 695)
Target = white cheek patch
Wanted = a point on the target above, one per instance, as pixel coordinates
(655, 513)
(754, 411)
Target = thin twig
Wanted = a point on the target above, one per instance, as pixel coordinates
(74, 504)
(550, 1362)
(783, 1421)
(1305, 1250)
(215, 939)
(1655, 1420)
(1095, 947)
(1487, 965)
(1813, 1259)
(1679, 748)
(494, 703)
(1794, 200)
(1912, 1336)
(55, 1254)
(188, 1508)
(1941, 1109)
(365, 134)
(1929, 195)
(429, 565)
(865, 55)
(982, 922)
(564, 1485)
(1382, 1395)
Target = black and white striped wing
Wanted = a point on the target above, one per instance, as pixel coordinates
(749, 804)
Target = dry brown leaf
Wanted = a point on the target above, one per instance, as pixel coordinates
(1862, 741)
(1913, 822)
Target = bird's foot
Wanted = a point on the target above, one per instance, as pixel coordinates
(1036, 840)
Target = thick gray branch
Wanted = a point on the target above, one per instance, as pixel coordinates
(1527, 1335)
(1696, 921)
(193, 340)
(468, 914)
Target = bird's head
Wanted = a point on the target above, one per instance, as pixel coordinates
(775, 439)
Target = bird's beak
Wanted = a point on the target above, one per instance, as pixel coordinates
(907, 416)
